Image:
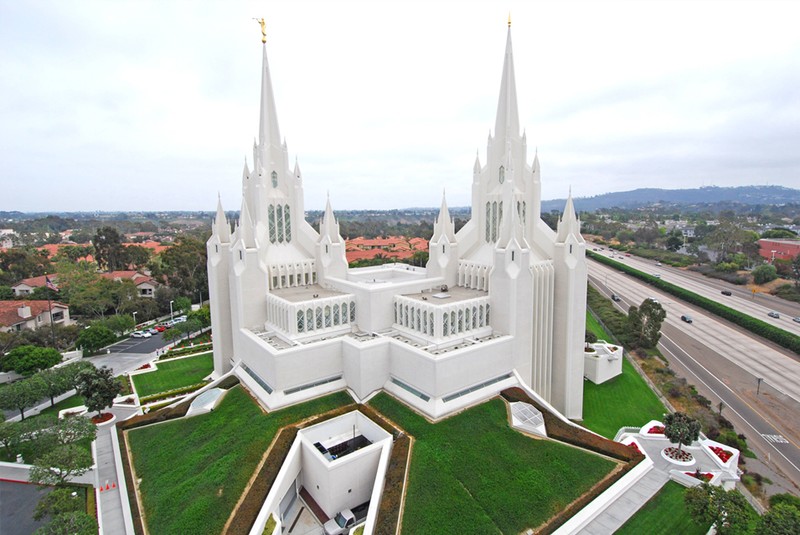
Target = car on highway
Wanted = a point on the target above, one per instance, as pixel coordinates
(615, 297)
(686, 318)
(654, 300)
(140, 334)
(658, 263)
(657, 275)
(726, 292)
(773, 314)
(796, 320)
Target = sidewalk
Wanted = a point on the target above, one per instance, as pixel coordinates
(113, 509)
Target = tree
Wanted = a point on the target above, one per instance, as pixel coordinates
(108, 249)
(727, 510)
(681, 429)
(72, 523)
(28, 359)
(73, 429)
(98, 388)
(137, 256)
(643, 325)
(21, 394)
(781, 519)
(56, 502)
(184, 266)
(56, 381)
(93, 338)
(11, 434)
(764, 274)
(58, 466)
(202, 315)
(118, 323)
(182, 304)
(674, 240)
(22, 262)
(779, 233)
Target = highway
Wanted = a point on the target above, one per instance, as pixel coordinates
(724, 362)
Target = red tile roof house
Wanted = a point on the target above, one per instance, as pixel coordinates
(26, 286)
(396, 247)
(18, 315)
(144, 284)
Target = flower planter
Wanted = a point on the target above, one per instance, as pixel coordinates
(723, 454)
(703, 476)
(104, 418)
(656, 430)
(679, 457)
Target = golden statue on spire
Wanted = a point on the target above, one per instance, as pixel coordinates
(263, 29)
(509, 19)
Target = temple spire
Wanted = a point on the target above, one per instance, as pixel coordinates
(329, 227)
(268, 132)
(444, 226)
(569, 224)
(507, 119)
(221, 226)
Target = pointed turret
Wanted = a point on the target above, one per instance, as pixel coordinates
(222, 228)
(268, 132)
(329, 227)
(569, 224)
(444, 226)
(507, 119)
(297, 175)
(246, 231)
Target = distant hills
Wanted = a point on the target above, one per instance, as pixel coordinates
(705, 198)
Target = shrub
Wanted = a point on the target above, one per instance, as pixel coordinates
(764, 274)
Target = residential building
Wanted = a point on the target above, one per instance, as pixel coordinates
(34, 314)
(772, 249)
(501, 301)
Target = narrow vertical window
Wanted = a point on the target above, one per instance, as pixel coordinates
(274, 179)
(287, 223)
(271, 217)
(328, 318)
(570, 248)
(352, 311)
(501, 174)
(310, 319)
(445, 324)
(488, 222)
(461, 321)
(300, 321)
(494, 221)
(279, 222)
(344, 312)
(336, 315)
(319, 317)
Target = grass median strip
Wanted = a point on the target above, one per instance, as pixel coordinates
(174, 374)
(664, 514)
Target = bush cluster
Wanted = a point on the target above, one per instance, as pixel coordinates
(779, 336)
(170, 393)
(185, 351)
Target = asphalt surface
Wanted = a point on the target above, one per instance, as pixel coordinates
(17, 503)
(724, 363)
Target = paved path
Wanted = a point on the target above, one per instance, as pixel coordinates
(113, 507)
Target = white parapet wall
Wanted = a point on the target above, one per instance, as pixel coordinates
(602, 361)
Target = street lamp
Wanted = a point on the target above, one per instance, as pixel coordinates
(170, 310)
(134, 320)
(773, 255)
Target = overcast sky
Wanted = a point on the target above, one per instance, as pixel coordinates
(154, 105)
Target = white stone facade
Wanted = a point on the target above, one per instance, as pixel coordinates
(504, 294)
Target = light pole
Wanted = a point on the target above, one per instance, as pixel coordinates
(758, 388)
(134, 320)
(773, 256)
(170, 310)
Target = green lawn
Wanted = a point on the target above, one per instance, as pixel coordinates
(665, 513)
(193, 470)
(473, 474)
(68, 403)
(174, 374)
(625, 400)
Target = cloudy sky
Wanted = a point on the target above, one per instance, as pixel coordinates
(153, 105)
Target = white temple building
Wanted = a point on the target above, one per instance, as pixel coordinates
(501, 302)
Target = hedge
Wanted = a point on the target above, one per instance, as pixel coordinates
(173, 392)
(756, 326)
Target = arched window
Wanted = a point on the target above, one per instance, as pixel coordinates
(394, 308)
(487, 315)
(352, 311)
(494, 221)
(300, 321)
(279, 222)
(461, 321)
(453, 324)
(500, 216)
(309, 319)
(344, 313)
(475, 318)
(271, 217)
(418, 319)
(501, 174)
(336, 315)
(467, 319)
(430, 324)
(287, 223)
(425, 321)
(480, 312)
(445, 324)
(274, 179)
(328, 317)
(319, 317)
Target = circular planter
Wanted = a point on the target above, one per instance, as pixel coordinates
(681, 458)
(105, 418)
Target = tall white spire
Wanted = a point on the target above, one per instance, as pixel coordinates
(268, 132)
(246, 230)
(329, 227)
(569, 224)
(507, 119)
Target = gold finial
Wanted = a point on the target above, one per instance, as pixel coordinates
(263, 29)
(509, 19)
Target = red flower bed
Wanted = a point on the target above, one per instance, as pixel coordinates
(678, 455)
(634, 447)
(656, 430)
(144, 367)
(705, 476)
(723, 454)
(102, 417)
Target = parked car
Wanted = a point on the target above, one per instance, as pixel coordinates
(140, 334)
(615, 297)
(773, 314)
(179, 319)
(345, 520)
(686, 318)
(726, 292)
(161, 327)
(153, 330)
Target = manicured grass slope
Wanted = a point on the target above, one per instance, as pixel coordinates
(664, 514)
(194, 470)
(174, 374)
(473, 474)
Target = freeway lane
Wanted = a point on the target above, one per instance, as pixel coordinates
(723, 362)
(742, 299)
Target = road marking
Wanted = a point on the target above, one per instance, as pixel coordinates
(731, 391)
(777, 439)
